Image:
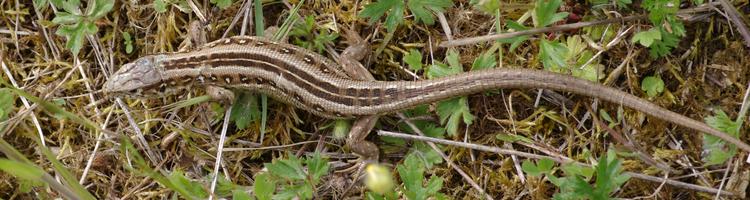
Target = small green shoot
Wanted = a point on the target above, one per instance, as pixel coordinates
(718, 150)
(652, 85)
(128, 42)
(75, 25)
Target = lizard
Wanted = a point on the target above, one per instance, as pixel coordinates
(312, 82)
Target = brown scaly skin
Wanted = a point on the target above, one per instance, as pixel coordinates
(307, 80)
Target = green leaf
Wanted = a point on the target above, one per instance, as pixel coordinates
(245, 109)
(652, 85)
(663, 47)
(74, 35)
(290, 168)
(577, 170)
(646, 38)
(193, 188)
(375, 10)
(7, 102)
(515, 41)
(484, 61)
(128, 42)
(719, 151)
(160, 6)
(411, 173)
(545, 12)
(414, 60)
(608, 176)
(452, 111)
(71, 6)
(421, 9)
(553, 55)
(101, 8)
(543, 166)
(40, 4)
(440, 70)
(512, 138)
(487, 6)
(223, 4)
(240, 195)
(21, 170)
(66, 18)
(264, 186)
(317, 166)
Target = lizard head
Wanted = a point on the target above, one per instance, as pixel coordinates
(139, 78)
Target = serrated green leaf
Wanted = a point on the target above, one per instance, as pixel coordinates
(411, 173)
(264, 186)
(66, 18)
(451, 113)
(577, 170)
(74, 35)
(433, 185)
(317, 166)
(193, 189)
(545, 12)
(646, 38)
(663, 47)
(290, 168)
(652, 85)
(421, 9)
(376, 10)
(719, 151)
(101, 8)
(553, 55)
(414, 60)
(245, 109)
(484, 61)
(531, 169)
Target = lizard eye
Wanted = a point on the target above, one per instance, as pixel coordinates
(142, 62)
